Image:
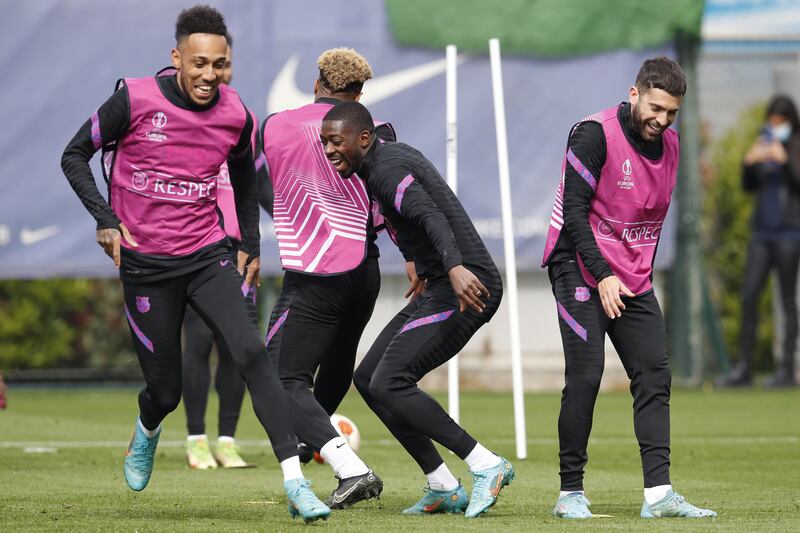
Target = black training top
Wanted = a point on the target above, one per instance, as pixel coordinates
(114, 117)
(588, 143)
(425, 218)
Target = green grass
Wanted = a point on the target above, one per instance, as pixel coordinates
(735, 452)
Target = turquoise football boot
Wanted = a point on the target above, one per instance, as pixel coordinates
(139, 458)
(487, 485)
(440, 501)
(673, 505)
(303, 501)
(572, 505)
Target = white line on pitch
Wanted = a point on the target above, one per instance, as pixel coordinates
(601, 441)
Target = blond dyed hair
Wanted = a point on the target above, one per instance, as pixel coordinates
(343, 70)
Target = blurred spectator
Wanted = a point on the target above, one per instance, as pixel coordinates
(771, 170)
(3, 401)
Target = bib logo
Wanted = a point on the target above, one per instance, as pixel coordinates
(140, 180)
(582, 294)
(605, 228)
(627, 181)
(159, 121)
(626, 167)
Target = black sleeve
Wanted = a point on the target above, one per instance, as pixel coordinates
(793, 164)
(588, 145)
(750, 179)
(109, 122)
(242, 173)
(266, 194)
(418, 206)
(386, 133)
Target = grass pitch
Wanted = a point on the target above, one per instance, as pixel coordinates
(61, 454)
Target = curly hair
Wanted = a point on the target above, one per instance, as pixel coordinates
(343, 70)
(200, 19)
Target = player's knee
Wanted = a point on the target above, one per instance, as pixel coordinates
(584, 381)
(292, 386)
(361, 381)
(248, 353)
(383, 386)
(167, 401)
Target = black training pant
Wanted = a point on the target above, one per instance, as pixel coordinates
(198, 340)
(762, 256)
(424, 335)
(640, 338)
(155, 313)
(317, 323)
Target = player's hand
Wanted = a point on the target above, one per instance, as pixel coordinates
(110, 239)
(757, 153)
(468, 288)
(776, 152)
(250, 270)
(416, 285)
(609, 289)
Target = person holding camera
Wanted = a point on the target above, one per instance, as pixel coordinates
(771, 170)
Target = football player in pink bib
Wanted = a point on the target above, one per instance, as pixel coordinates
(162, 229)
(616, 183)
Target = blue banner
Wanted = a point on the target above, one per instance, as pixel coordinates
(64, 57)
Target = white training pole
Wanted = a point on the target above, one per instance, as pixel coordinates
(452, 181)
(508, 248)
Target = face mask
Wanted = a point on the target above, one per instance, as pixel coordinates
(781, 132)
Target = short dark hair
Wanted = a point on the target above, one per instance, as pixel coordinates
(200, 19)
(352, 114)
(783, 106)
(661, 73)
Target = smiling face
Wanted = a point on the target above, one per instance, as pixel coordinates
(345, 146)
(200, 60)
(653, 111)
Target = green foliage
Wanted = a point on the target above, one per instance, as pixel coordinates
(36, 321)
(62, 323)
(727, 213)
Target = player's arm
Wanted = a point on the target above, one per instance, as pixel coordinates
(241, 169)
(586, 155)
(400, 188)
(107, 124)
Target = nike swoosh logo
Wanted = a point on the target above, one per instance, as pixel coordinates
(29, 236)
(284, 93)
(339, 446)
(345, 494)
(431, 508)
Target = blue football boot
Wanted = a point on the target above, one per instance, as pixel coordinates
(572, 505)
(487, 485)
(673, 505)
(303, 501)
(139, 458)
(440, 501)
